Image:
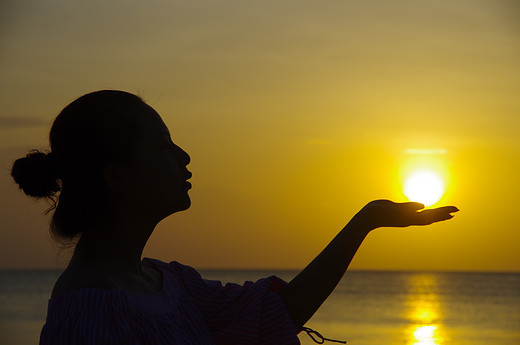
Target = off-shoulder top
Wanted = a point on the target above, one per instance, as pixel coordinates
(187, 310)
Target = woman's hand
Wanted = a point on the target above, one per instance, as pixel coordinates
(385, 213)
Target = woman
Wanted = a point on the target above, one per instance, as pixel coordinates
(118, 174)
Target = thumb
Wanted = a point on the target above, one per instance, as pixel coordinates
(415, 206)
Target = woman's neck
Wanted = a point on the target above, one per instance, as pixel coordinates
(114, 248)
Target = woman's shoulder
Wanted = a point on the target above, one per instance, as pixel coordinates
(78, 277)
(84, 276)
(74, 278)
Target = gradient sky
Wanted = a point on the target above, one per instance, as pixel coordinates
(295, 114)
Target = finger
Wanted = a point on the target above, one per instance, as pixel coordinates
(433, 215)
(447, 209)
(415, 206)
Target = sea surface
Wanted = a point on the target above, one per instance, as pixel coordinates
(367, 307)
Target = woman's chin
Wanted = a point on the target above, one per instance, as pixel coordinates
(184, 205)
(188, 204)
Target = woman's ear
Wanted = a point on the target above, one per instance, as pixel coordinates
(117, 177)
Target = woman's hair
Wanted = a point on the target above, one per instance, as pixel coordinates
(92, 131)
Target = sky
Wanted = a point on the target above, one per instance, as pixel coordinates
(295, 114)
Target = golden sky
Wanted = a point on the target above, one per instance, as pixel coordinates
(295, 115)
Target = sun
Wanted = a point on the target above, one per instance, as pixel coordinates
(424, 186)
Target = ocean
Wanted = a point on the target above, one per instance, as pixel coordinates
(367, 307)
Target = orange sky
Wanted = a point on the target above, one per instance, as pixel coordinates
(295, 115)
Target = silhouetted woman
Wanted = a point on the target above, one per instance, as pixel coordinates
(113, 174)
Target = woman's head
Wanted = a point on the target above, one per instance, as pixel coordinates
(93, 138)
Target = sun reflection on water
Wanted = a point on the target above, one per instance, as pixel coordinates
(426, 335)
(424, 311)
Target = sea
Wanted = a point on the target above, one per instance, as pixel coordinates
(366, 308)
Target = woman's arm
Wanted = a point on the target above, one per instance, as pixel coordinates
(311, 287)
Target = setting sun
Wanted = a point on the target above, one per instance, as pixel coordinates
(424, 186)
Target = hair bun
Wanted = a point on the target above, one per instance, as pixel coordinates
(36, 174)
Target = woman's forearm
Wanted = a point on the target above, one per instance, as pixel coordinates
(311, 287)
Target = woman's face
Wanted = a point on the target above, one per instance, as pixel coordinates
(160, 168)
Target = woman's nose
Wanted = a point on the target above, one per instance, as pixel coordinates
(185, 157)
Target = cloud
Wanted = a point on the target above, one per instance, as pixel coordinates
(20, 121)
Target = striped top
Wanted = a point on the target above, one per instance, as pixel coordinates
(187, 310)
